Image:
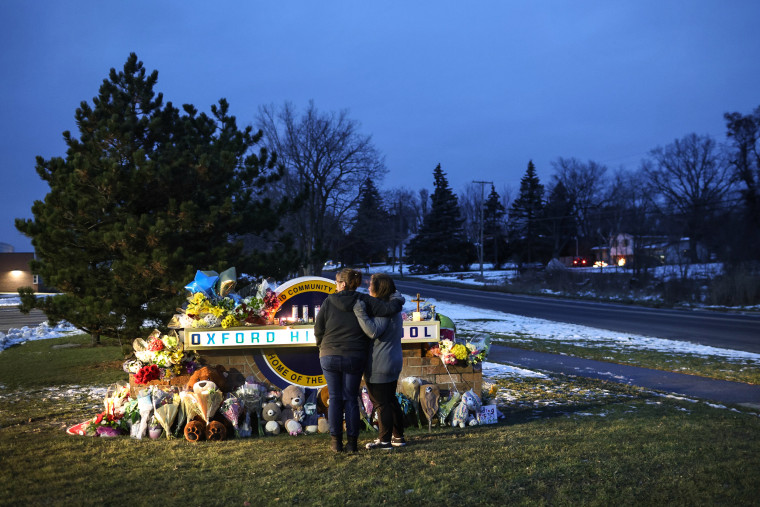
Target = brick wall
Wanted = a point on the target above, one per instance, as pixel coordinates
(240, 364)
(15, 271)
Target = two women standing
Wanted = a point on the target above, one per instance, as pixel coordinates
(343, 352)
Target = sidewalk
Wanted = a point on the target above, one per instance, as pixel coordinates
(720, 391)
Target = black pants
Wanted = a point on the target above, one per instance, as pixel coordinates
(389, 412)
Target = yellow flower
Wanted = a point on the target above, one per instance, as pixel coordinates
(216, 311)
(230, 321)
(459, 351)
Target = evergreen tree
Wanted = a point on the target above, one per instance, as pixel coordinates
(143, 198)
(494, 242)
(441, 240)
(370, 234)
(558, 222)
(524, 213)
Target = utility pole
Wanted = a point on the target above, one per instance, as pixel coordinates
(482, 205)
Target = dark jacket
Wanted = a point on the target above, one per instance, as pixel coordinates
(336, 328)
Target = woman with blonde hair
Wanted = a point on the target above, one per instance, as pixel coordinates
(343, 349)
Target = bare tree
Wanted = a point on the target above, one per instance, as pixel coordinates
(325, 155)
(585, 185)
(470, 202)
(689, 179)
(403, 208)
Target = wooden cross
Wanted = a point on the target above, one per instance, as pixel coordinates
(418, 301)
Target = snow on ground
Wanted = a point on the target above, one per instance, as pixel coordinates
(475, 321)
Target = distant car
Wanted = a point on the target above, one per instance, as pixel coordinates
(329, 265)
(580, 262)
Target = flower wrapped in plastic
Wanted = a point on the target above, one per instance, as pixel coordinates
(116, 398)
(165, 409)
(451, 352)
(188, 409)
(208, 399)
(231, 409)
(132, 366)
(478, 349)
(251, 395)
(145, 407)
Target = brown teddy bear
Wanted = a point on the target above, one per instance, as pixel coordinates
(215, 375)
(197, 429)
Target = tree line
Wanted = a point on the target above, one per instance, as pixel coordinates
(148, 192)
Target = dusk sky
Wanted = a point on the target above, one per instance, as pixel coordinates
(479, 87)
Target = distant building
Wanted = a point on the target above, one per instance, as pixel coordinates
(6, 248)
(15, 272)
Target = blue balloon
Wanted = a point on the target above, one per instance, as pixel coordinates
(204, 282)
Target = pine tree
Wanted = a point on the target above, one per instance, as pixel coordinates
(370, 234)
(558, 221)
(493, 236)
(441, 240)
(524, 213)
(143, 198)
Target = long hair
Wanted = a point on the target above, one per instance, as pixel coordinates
(382, 286)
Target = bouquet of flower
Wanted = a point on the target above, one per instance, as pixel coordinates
(251, 395)
(207, 399)
(478, 349)
(159, 356)
(145, 407)
(231, 409)
(451, 352)
(147, 373)
(165, 408)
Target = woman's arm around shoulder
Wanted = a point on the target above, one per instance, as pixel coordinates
(371, 327)
(381, 308)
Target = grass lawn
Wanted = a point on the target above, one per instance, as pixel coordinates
(563, 441)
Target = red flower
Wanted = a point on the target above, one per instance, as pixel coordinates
(156, 345)
(147, 373)
(98, 418)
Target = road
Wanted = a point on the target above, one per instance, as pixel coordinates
(11, 317)
(724, 330)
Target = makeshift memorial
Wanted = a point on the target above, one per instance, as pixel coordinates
(429, 402)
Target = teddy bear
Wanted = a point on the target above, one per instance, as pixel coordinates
(468, 410)
(293, 399)
(323, 402)
(270, 413)
(217, 375)
(198, 428)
